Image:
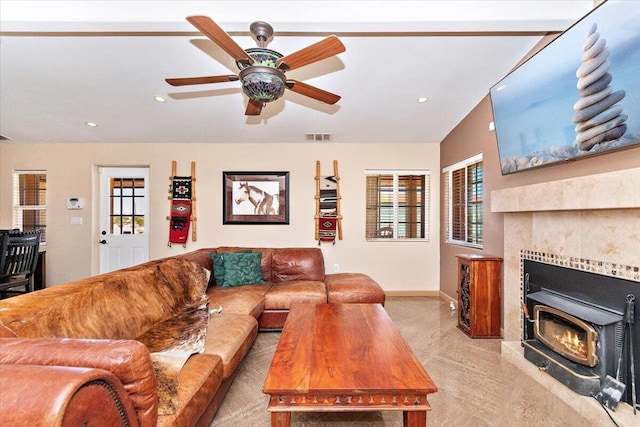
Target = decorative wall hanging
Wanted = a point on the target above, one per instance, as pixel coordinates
(255, 197)
(328, 217)
(182, 203)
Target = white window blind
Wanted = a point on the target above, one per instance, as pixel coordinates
(463, 193)
(30, 201)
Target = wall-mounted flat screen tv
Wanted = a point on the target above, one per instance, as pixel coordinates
(577, 97)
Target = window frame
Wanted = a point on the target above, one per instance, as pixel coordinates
(425, 207)
(448, 172)
(19, 209)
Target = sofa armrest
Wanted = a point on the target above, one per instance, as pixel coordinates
(129, 361)
(36, 395)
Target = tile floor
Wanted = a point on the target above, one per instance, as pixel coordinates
(477, 386)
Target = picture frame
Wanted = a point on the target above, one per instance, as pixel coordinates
(255, 197)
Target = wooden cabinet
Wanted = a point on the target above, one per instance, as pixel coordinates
(479, 295)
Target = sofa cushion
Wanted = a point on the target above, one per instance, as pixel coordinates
(241, 268)
(217, 260)
(230, 337)
(267, 254)
(297, 264)
(247, 299)
(353, 288)
(199, 380)
(281, 295)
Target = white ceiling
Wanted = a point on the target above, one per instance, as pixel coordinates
(63, 63)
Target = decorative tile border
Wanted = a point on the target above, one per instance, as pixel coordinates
(612, 269)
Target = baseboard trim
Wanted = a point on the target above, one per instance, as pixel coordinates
(448, 298)
(439, 294)
(412, 293)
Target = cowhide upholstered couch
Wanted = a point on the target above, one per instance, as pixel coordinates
(154, 344)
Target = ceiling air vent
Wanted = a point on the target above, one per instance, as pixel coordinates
(318, 137)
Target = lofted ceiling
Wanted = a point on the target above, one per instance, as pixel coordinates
(66, 63)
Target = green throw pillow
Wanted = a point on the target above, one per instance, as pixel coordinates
(241, 268)
(218, 264)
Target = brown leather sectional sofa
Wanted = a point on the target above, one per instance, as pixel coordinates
(75, 353)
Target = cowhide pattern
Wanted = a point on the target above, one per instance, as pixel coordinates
(167, 370)
(117, 305)
(163, 305)
(171, 343)
(185, 331)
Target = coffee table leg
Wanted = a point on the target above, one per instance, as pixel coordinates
(280, 419)
(414, 418)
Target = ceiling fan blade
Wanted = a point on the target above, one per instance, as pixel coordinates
(254, 108)
(201, 80)
(219, 37)
(321, 50)
(312, 92)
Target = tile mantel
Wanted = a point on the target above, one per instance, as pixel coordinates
(612, 190)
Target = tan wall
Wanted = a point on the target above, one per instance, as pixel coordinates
(72, 250)
(472, 136)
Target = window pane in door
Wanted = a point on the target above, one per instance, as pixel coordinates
(127, 205)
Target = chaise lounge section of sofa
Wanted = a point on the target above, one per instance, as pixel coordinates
(101, 342)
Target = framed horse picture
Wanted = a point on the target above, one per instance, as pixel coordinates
(255, 197)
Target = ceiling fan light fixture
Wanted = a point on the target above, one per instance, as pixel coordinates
(262, 84)
(261, 69)
(260, 56)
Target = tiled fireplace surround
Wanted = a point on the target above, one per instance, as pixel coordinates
(590, 223)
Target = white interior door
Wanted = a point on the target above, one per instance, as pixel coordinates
(124, 213)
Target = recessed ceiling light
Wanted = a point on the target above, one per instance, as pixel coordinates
(91, 124)
(422, 99)
(159, 98)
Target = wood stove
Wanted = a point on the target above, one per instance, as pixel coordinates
(567, 335)
(574, 341)
(576, 330)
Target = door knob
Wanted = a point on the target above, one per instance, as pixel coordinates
(103, 242)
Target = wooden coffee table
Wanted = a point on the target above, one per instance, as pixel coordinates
(341, 358)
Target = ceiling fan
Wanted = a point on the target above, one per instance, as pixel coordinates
(262, 71)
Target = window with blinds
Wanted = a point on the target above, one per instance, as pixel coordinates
(463, 194)
(30, 201)
(397, 205)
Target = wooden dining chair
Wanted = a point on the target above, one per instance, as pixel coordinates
(18, 260)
